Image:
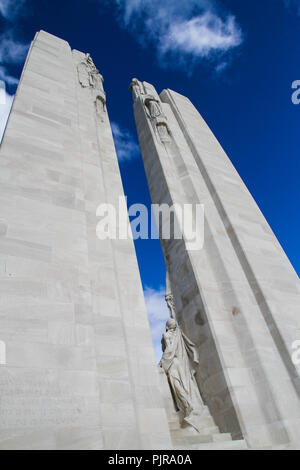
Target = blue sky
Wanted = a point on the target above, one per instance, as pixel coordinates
(236, 60)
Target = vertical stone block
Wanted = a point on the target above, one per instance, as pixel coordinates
(63, 308)
(236, 296)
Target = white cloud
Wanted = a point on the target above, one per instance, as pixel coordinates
(6, 77)
(11, 51)
(202, 35)
(126, 147)
(9, 9)
(4, 110)
(158, 314)
(184, 30)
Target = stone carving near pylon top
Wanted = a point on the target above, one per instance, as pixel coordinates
(137, 88)
(100, 105)
(170, 303)
(142, 90)
(90, 77)
(153, 108)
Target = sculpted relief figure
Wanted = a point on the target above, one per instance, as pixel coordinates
(90, 77)
(83, 75)
(153, 106)
(163, 130)
(179, 359)
(100, 107)
(155, 113)
(147, 93)
(137, 88)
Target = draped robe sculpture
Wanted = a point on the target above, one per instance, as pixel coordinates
(90, 77)
(179, 361)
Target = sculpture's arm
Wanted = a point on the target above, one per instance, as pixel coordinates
(167, 341)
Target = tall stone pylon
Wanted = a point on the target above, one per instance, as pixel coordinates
(79, 369)
(236, 294)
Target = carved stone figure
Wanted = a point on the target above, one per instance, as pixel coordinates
(180, 356)
(150, 90)
(89, 75)
(97, 80)
(163, 130)
(153, 106)
(83, 75)
(137, 88)
(150, 99)
(100, 106)
(155, 113)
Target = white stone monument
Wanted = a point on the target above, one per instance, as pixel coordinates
(237, 297)
(77, 364)
(79, 369)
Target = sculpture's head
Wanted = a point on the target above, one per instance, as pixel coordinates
(171, 324)
(134, 81)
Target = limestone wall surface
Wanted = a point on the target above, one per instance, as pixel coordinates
(80, 368)
(238, 296)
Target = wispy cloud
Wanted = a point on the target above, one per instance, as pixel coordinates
(221, 67)
(126, 147)
(6, 77)
(293, 4)
(5, 106)
(158, 315)
(9, 9)
(192, 30)
(11, 51)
